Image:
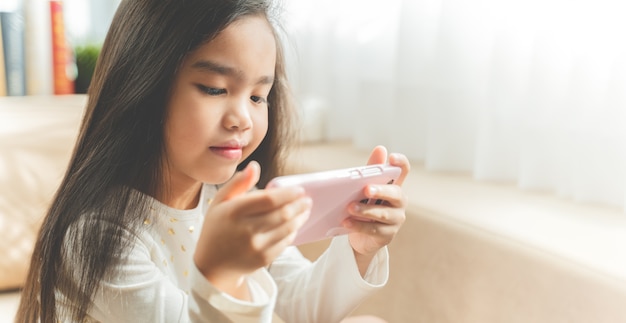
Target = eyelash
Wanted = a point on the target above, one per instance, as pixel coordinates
(215, 92)
(210, 90)
(258, 99)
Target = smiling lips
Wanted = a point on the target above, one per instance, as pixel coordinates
(231, 150)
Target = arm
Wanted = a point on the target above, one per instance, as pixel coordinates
(354, 265)
(367, 237)
(139, 291)
(329, 289)
(245, 231)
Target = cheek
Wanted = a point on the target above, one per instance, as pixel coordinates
(259, 130)
(185, 129)
(180, 127)
(260, 125)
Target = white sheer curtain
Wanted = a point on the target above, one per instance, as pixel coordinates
(530, 91)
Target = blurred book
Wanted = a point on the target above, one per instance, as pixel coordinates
(12, 24)
(3, 75)
(38, 45)
(63, 67)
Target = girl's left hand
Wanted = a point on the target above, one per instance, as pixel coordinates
(366, 237)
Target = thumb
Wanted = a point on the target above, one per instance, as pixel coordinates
(242, 182)
(378, 155)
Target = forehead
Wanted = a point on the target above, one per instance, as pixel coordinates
(255, 26)
(247, 44)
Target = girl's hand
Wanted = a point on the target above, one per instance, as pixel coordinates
(386, 218)
(244, 231)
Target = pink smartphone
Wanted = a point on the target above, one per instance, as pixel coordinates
(331, 192)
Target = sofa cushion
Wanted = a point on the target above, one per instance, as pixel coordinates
(37, 135)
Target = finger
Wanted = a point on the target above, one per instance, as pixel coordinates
(376, 213)
(378, 156)
(284, 214)
(286, 232)
(275, 248)
(241, 182)
(268, 200)
(390, 195)
(401, 161)
(385, 231)
(283, 233)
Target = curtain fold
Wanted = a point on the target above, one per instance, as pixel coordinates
(531, 92)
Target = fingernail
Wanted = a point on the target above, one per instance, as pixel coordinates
(355, 207)
(305, 216)
(308, 202)
(299, 190)
(372, 190)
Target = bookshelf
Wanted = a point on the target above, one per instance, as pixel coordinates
(40, 39)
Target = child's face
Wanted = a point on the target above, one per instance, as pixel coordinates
(217, 114)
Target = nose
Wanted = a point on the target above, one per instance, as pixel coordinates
(237, 115)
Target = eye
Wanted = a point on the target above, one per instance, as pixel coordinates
(258, 99)
(211, 90)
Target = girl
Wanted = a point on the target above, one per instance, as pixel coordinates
(185, 93)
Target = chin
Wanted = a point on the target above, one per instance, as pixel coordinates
(220, 175)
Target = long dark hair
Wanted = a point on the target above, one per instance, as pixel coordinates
(120, 147)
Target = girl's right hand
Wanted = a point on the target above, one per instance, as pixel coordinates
(244, 231)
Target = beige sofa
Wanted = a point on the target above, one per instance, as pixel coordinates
(475, 252)
(36, 138)
(460, 257)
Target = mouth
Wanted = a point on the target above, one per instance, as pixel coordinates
(231, 150)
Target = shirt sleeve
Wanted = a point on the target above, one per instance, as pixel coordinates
(138, 291)
(328, 289)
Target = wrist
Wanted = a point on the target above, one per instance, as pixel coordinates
(230, 283)
(363, 259)
(227, 280)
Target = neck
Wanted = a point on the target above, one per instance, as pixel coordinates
(182, 198)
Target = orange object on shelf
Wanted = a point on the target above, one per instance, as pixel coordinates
(62, 68)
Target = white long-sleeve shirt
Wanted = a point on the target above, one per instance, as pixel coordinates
(157, 280)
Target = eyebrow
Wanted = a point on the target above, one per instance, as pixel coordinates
(208, 66)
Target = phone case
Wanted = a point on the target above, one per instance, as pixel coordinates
(331, 192)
